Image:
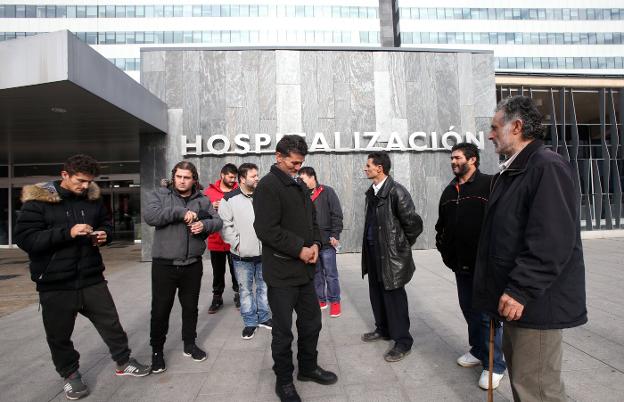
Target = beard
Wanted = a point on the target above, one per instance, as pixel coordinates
(461, 170)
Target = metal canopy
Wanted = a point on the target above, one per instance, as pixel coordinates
(59, 97)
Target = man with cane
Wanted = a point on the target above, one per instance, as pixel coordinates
(530, 270)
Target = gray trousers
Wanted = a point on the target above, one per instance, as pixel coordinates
(533, 359)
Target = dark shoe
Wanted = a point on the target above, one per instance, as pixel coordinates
(396, 353)
(248, 332)
(191, 350)
(287, 393)
(319, 376)
(217, 302)
(237, 300)
(133, 368)
(374, 336)
(268, 324)
(74, 387)
(158, 362)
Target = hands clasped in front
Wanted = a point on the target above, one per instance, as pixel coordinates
(309, 255)
(195, 226)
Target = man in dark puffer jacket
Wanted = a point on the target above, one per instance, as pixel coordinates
(61, 226)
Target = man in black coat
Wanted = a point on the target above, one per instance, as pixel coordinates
(286, 224)
(530, 268)
(61, 226)
(391, 228)
(461, 211)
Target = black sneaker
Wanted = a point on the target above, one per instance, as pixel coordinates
(287, 393)
(217, 302)
(196, 353)
(268, 324)
(248, 332)
(158, 362)
(74, 387)
(237, 300)
(133, 368)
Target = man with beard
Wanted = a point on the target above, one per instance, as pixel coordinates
(461, 211)
(236, 210)
(530, 269)
(183, 218)
(220, 250)
(391, 228)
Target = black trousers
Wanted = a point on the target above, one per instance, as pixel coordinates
(390, 307)
(303, 300)
(217, 259)
(59, 309)
(166, 279)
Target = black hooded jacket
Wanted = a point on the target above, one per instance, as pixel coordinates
(530, 245)
(58, 261)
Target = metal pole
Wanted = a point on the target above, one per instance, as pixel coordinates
(10, 180)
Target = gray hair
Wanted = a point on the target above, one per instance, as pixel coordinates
(523, 108)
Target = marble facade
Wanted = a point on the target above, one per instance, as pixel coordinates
(229, 92)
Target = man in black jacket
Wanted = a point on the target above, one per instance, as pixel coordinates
(329, 217)
(391, 228)
(461, 211)
(286, 224)
(530, 268)
(61, 226)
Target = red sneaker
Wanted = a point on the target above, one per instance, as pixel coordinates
(323, 305)
(334, 309)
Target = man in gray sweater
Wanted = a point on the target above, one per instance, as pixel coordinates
(236, 211)
(183, 218)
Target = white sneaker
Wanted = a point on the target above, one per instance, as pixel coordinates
(468, 360)
(484, 380)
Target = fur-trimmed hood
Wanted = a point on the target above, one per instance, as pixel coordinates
(47, 192)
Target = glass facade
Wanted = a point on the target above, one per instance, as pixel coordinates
(544, 14)
(185, 11)
(514, 38)
(585, 127)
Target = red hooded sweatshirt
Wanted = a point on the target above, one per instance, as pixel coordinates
(214, 193)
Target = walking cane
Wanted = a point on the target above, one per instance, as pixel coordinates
(490, 392)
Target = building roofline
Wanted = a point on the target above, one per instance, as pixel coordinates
(315, 48)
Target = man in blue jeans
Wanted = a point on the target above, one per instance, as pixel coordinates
(329, 218)
(236, 211)
(461, 210)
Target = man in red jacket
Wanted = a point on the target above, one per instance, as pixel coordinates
(219, 250)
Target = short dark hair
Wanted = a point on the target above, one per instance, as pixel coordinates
(469, 150)
(185, 165)
(244, 168)
(523, 108)
(229, 168)
(308, 171)
(82, 163)
(292, 143)
(381, 158)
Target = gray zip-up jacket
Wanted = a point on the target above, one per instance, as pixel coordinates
(236, 210)
(165, 209)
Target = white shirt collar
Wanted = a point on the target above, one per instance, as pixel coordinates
(505, 165)
(377, 187)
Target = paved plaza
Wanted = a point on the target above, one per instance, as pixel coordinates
(240, 370)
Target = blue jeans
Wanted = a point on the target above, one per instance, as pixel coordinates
(326, 277)
(479, 327)
(254, 307)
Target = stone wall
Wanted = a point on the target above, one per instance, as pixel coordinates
(284, 91)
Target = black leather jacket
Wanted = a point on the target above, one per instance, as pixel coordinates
(399, 227)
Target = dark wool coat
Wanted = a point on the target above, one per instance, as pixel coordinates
(530, 245)
(285, 222)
